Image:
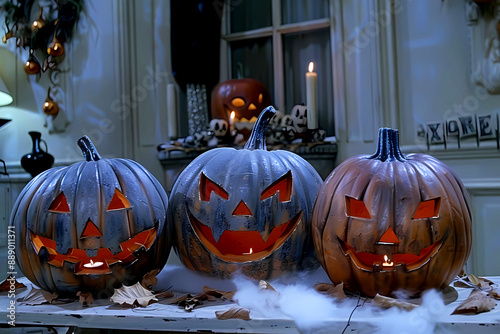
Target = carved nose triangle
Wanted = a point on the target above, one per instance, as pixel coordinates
(242, 210)
(389, 237)
(91, 230)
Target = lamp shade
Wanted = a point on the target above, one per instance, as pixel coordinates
(5, 97)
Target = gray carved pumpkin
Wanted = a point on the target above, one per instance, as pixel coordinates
(91, 226)
(245, 210)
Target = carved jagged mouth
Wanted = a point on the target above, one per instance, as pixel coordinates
(99, 264)
(375, 262)
(243, 246)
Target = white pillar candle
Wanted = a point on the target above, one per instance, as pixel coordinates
(171, 111)
(312, 97)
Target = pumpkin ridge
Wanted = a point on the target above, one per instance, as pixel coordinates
(42, 275)
(324, 202)
(34, 183)
(453, 182)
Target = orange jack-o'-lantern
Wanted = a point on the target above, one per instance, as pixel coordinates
(91, 226)
(390, 222)
(246, 97)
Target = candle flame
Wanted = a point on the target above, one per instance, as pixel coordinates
(387, 262)
(311, 66)
(93, 264)
(232, 115)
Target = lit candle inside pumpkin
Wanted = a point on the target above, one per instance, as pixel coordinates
(312, 97)
(93, 264)
(387, 262)
(251, 250)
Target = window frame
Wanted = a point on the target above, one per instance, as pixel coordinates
(276, 32)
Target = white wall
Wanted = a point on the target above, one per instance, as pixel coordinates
(113, 90)
(406, 71)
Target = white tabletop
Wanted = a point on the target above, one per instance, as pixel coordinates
(296, 309)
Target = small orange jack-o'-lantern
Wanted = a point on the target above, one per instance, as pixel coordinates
(91, 226)
(246, 97)
(245, 210)
(390, 222)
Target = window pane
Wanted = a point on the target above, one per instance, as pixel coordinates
(249, 14)
(293, 11)
(253, 59)
(300, 49)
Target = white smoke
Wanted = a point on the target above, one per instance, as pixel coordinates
(312, 311)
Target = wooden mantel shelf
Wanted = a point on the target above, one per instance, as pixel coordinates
(174, 158)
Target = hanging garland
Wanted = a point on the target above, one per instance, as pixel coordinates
(44, 37)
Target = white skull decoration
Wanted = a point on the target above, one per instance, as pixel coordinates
(287, 120)
(318, 135)
(218, 127)
(275, 122)
(299, 117)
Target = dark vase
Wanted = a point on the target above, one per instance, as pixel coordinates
(38, 160)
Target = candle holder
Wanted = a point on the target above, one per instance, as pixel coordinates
(197, 108)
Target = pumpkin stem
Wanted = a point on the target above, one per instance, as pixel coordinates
(257, 138)
(388, 146)
(88, 149)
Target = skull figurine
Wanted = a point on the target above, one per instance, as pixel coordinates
(287, 120)
(219, 127)
(275, 122)
(299, 117)
(318, 135)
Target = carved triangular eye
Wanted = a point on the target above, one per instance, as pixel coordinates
(208, 186)
(428, 209)
(356, 208)
(283, 185)
(118, 202)
(59, 204)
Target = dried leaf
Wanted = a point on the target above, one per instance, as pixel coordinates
(494, 293)
(449, 295)
(135, 295)
(264, 285)
(149, 280)
(480, 282)
(225, 295)
(477, 302)
(180, 299)
(335, 291)
(189, 302)
(472, 281)
(10, 283)
(387, 302)
(164, 294)
(233, 313)
(37, 297)
(85, 298)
